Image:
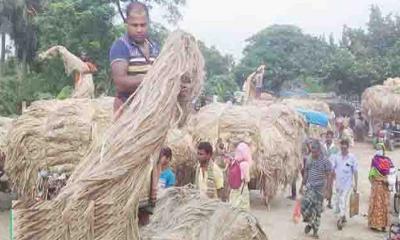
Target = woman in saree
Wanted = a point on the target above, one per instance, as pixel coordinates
(378, 213)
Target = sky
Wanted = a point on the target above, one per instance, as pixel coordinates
(226, 24)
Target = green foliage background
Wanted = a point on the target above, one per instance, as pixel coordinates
(361, 58)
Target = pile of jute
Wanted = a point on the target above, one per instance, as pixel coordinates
(53, 136)
(181, 214)
(313, 131)
(184, 157)
(280, 160)
(310, 104)
(5, 125)
(274, 133)
(382, 102)
(101, 198)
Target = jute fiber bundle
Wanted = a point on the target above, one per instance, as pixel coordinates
(181, 214)
(101, 198)
(316, 132)
(267, 97)
(310, 104)
(382, 102)
(229, 123)
(5, 125)
(262, 102)
(392, 82)
(282, 132)
(85, 89)
(72, 63)
(274, 133)
(315, 105)
(183, 155)
(51, 134)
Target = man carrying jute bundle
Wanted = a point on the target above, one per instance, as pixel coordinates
(253, 85)
(131, 56)
(259, 80)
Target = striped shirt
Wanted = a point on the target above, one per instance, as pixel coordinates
(123, 49)
(316, 172)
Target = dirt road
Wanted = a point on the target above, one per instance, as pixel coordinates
(279, 226)
(277, 221)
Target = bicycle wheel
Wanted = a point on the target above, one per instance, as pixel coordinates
(396, 202)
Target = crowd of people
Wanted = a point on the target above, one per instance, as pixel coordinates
(209, 178)
(329, 173)
(327, 170)
(333, 171)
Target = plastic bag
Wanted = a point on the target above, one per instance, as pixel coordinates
(297, 212)
(354, 204)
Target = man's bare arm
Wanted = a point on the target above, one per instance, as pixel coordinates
(123, 82)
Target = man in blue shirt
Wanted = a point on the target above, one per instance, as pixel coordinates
(132, 55)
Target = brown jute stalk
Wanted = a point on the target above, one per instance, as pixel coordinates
(53, 133)
(101, 199)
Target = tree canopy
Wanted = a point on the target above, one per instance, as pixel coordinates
(290, 56)
(360, 58)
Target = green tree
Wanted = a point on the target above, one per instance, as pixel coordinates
(219, 77)
(172, 8)
(80, 25)
(348, 75)
(288, 53)
(216, 63)
(17, 20)
(366, 56)
(381, 29)
(223, 86)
